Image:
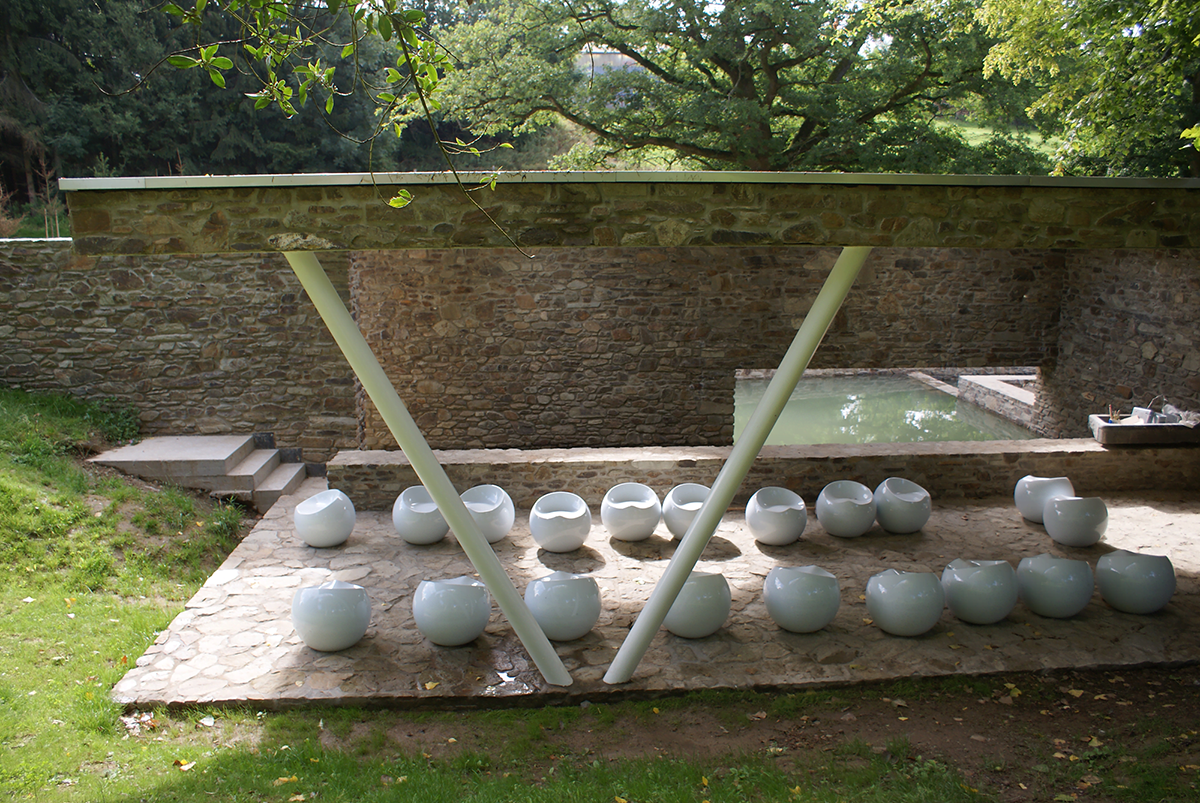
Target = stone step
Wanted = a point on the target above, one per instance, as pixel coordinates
(176, 458)
(284, 480)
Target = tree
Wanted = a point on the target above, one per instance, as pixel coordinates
(852, 85)
(1126, 77)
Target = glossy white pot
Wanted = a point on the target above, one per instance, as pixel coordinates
(776, 516)
(981, 592)
(802, 599)
(1055, 587)
(846, 508)
(1075, 520)
(630, 511)
(1032, 493)
(560, 521)
(905, 603)
(1135, 583)
(416, 517)
(325, 519)
(702, 606)
(902, 506)
(331, 616)
(492, 508)
(567, 606)
(451, 612)
(682, 504)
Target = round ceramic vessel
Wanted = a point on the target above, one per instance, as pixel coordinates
(1055, 587)
(981, 592)
(451, 612)
(1135, 583)
(905, 603)
(802, 599)
(492, 509)
(567, 606)
(702, 606)
(560, 521)
(846, 508)
(630, 511)
(902, 506)
(776, 516)
(1075, 520)
(416, 517)
(682, 504)
(331, 616)
(325, 519)
(1032, 493)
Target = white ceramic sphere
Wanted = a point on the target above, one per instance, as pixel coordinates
(702, 606)
(1135, 583)
(905, 603)
(331, 616)
(1075, 520)
(565, 605)
(451, 612)
(324, 519)
(1054, 587)
(776, 516)
(416, 517)
(1032, 493)
(846, 508)
(681, 505)
(560, 521)
(492, 508)
(902, 506)
(630, 511)
(801, 599)
(981, 592)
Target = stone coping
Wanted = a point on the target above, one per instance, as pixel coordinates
(951, 469)
(605, 177)
(234, 643)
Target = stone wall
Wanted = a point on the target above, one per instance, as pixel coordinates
(225, 344)
(1129, 331)
(629, 346)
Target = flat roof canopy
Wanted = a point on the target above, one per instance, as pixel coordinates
(349, 211)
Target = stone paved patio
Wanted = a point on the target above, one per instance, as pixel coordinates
(234, 643)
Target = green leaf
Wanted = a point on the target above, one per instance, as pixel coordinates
(222, 63)
(216, 77)
(329, 105)
(385, 28)
(182, 62)
(263, 102)
(200, 4)
(173, 10)
(347, 50)
(414, 16)
(386, 97)
(401, 199)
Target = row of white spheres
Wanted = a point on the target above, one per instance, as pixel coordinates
(800, 599)
(631, 511)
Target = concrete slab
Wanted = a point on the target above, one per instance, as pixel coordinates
(234, 643)
(285, 479)
(179, 456)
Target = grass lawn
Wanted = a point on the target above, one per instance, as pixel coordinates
(96, 565)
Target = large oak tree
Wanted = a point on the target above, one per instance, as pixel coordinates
(851, 85)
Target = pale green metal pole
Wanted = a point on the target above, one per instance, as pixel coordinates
(737, 465)
(375, 382)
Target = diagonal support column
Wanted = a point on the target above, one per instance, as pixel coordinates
(375, 382)
(741, 457)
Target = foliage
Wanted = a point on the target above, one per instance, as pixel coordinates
(1125, 78)
(817, 85)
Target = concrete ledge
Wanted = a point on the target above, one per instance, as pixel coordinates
(1001, 394)
(970, 470)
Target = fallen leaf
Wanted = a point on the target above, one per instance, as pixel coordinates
(430, 685)
(29, 599)
(757, 715)
(184, 766)
(1075, 692)
(297, 799)
(282, 781)
(208, 722)
(975, 737)
(1094, 742)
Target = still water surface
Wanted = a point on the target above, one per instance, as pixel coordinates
(872, 409)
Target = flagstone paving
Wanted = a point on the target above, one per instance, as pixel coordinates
(234, 642)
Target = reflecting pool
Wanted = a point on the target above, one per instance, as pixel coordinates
(872, 409)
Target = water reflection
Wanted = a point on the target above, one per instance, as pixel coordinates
(872, 409)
